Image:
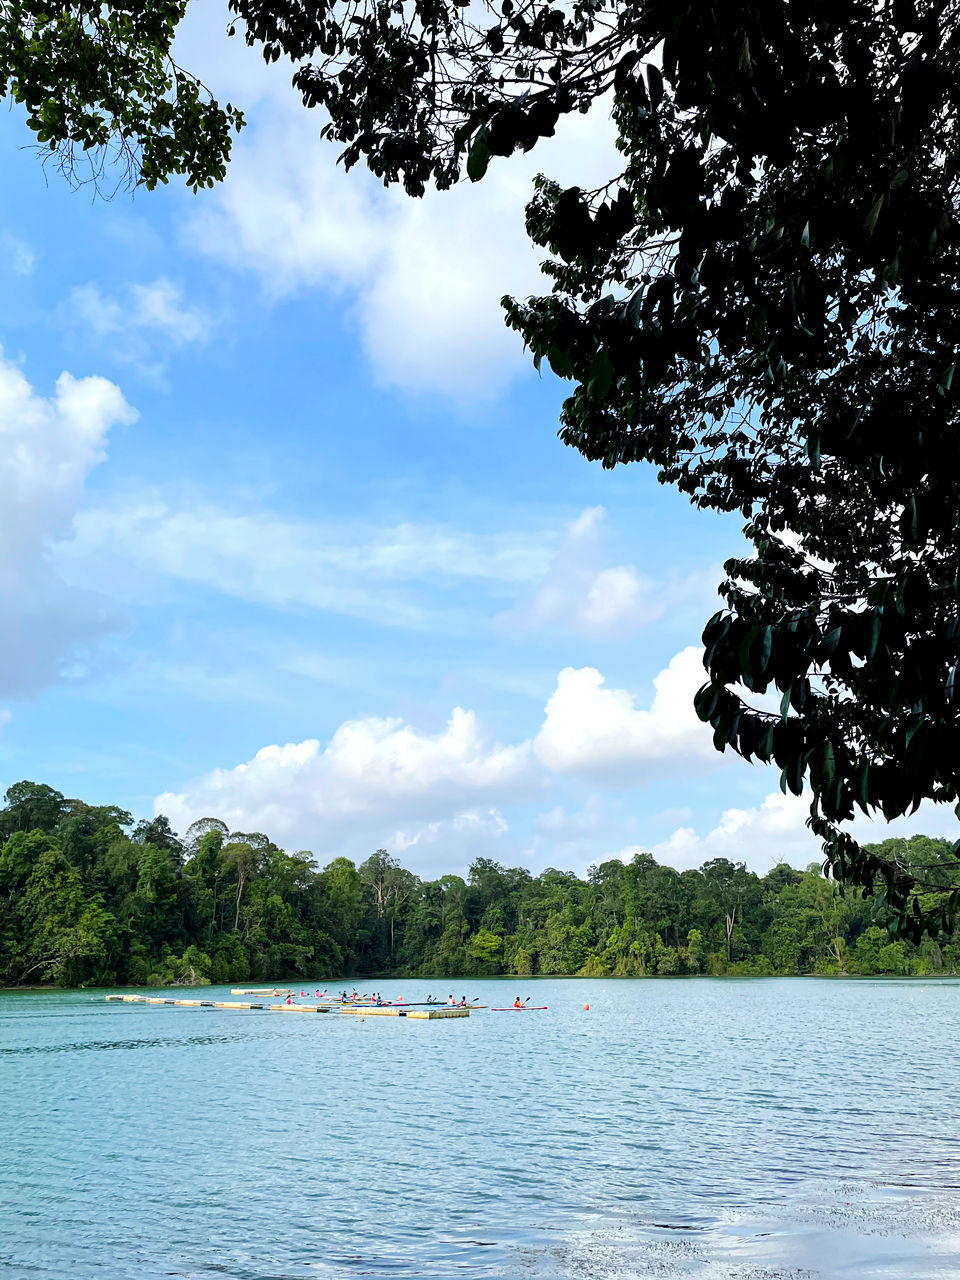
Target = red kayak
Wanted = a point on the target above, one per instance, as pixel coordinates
(524, 1008)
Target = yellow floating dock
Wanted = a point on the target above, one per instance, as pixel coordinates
(373, 1011)
(261, 991)
(299, 1008)
(393, 1012)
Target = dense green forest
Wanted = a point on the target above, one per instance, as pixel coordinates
(87, 896)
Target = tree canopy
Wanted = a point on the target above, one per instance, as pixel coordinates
(89, 897)
(98, 83)
(761, 302)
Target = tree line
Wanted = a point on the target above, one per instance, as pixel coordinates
(89, 897)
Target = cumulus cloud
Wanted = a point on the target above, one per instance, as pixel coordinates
(597, 732)
(49, 445)
(380, 781)
(762, 836)
(373, 775)
(421, 279)
(775, 831)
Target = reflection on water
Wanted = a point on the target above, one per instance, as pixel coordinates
(82, 1046)
(691, 1129)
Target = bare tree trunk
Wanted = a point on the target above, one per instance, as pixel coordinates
(48, 960)
(236, 919)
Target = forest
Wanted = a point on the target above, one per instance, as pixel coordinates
(90, 897)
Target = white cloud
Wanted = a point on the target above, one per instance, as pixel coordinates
(593, 731)
(565, 827)
(438, 847)
(49, 447)
(422, 279)
(579, 595)
(373, 776)
(380, 781)
(135, 317)
(775, 831)
(444, 797)
(358, 570)
(761, 837)
(615, 600)
(583, 593)
(20, 256)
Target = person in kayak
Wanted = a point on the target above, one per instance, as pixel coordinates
(517, 1004)
(463, 1002)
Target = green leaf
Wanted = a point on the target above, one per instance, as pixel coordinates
(655, 84)
(600, 377)
(479, 157)
(870, 221)
(705, 701)
(764, 650)
(743, 652)
(785, 701)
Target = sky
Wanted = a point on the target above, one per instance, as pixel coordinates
(288, 538)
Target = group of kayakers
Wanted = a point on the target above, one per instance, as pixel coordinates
(377, 999)
(343, 997)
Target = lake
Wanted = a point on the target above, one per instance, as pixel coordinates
(706, 1129)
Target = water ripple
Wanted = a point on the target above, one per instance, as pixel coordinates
(711, 1130)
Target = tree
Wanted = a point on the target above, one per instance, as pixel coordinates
(762, 303)
(97, 81)
(158, 832)
(486, 949)
(32, 806)
(375, 873)
(243, 855)
(731, 886)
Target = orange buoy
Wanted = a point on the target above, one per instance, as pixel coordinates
(585, 1008)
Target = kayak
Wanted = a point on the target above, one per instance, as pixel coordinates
(524, 1008)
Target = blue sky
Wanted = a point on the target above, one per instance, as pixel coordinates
(292, 540)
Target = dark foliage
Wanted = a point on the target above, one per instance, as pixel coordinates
(764, 303)
(98, 84)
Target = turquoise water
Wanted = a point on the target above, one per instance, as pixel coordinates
(709, 1129)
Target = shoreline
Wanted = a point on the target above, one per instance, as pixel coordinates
(513, 979)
